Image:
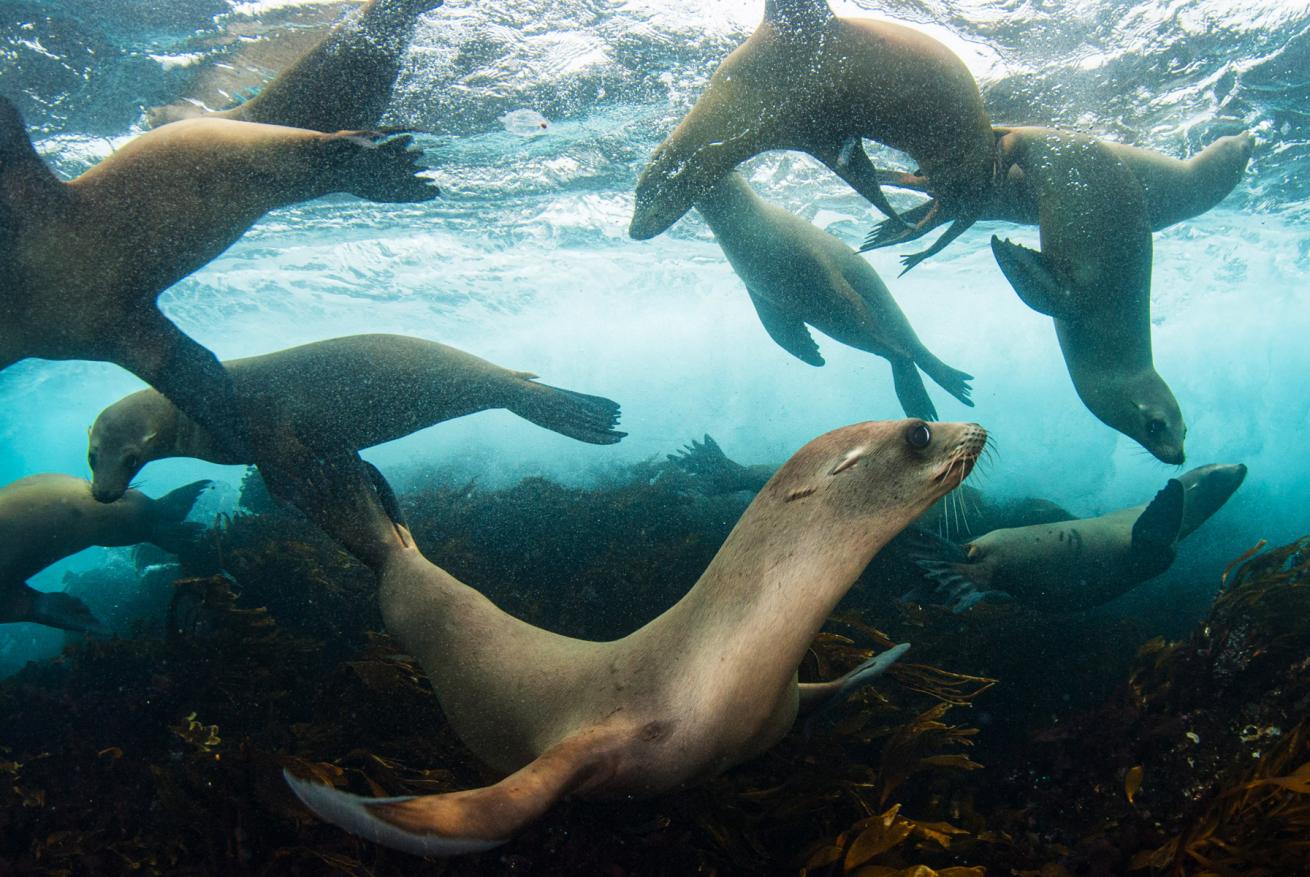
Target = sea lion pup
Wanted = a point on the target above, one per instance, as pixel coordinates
(341, 394)
(82, 263)
(705, 686)
(44, 518)
(1081, 563)
(1093, 276)
(343, 83)
(1174, 189)
(808, 80)
(797, 274)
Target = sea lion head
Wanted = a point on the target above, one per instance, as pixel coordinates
(120, 443)
(889, 470)
(665, 192)
(1148, 412)
(1207, 489)
(1228, 157)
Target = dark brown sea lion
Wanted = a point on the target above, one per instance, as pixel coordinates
(44, 518)
(707, 685)
(341, 394)
(808, 80)
(798, 274)
(1093, 276)
(341, 83)
(1174, 189)
(1080, 563)
(82, 262)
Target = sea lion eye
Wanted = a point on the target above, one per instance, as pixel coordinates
(1155, 426)
(132, 461)
(91, 459)
(918, 436)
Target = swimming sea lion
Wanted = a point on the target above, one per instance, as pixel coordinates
(1078, 564)
(83, 262)
(808, 80)
(705, 686)
(1093, 276)
(797, 274)
(341, 394)
(44, 518)
(342, 83)
(1174, 189)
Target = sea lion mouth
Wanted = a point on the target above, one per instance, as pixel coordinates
(963, 458)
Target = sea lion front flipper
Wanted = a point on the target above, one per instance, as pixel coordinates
(380, 166)
(816, 698)
(189, 375)
(579, 416)
(1033, 281)
(911, 392)
(478, 819)
(64, 611)
(1155, 532)
(849, 161)
(790, 333)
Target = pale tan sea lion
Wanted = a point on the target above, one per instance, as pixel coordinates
(808, 80)
(83, 262)
(705, 686)
(1080, 563)
(44, 518)
(1174, 189)
(1093, 276)
(341, 394)
(342, 82)
(798, 274)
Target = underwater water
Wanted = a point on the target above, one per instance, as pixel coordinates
(525, 260)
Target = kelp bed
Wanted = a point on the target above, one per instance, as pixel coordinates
(162, 753)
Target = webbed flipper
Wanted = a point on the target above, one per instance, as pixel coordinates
(911, 392)
(788, 331)
(955, 580)
(577, 415)
(64, 611)
(1033, 281)
(923, 218)
(849, 161)
(817, 698)
(958, 227)
(478, 819)
(1155, 532)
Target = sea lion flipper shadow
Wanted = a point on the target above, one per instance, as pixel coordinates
(477, 819)
(790, 333)
(189, 375)
(1033, 280)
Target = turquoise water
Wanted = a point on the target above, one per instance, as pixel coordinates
(526, 261)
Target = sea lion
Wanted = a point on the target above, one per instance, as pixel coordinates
(1093, 276)
(82, 263)
(1174, 189)
(44, 518)
(707, 685)
(808, 80)
(341, 394)
(797, 274)
(341, 83)
(1081, 563)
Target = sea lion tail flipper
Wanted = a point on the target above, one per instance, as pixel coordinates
(952, 380)
(64, 611)
(789, 332)
(579, 416)
(470, 821)
(923, 219)
(380, 167)
(910, 390)
(1155, 532)
(958, 227)
(850, 162)
(1032, 280)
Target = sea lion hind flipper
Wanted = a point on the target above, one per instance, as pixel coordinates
(851, 163)
(888, 233)
(1032, 280)
(911, 392)
(380, 167)
(470, 821)
(64, 611)
(954, 580)
(790, 333)
(952, 380)
(579, 416)
(958, 227)
(1155, 532)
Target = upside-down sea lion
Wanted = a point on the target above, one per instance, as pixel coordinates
(342, 83)
(1093, 276)
(341, 394)
(797, 274)
(1081, 563)
(808, 80)
(708, 684)
(82, 262)
(44, 518)
(1174, 189)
